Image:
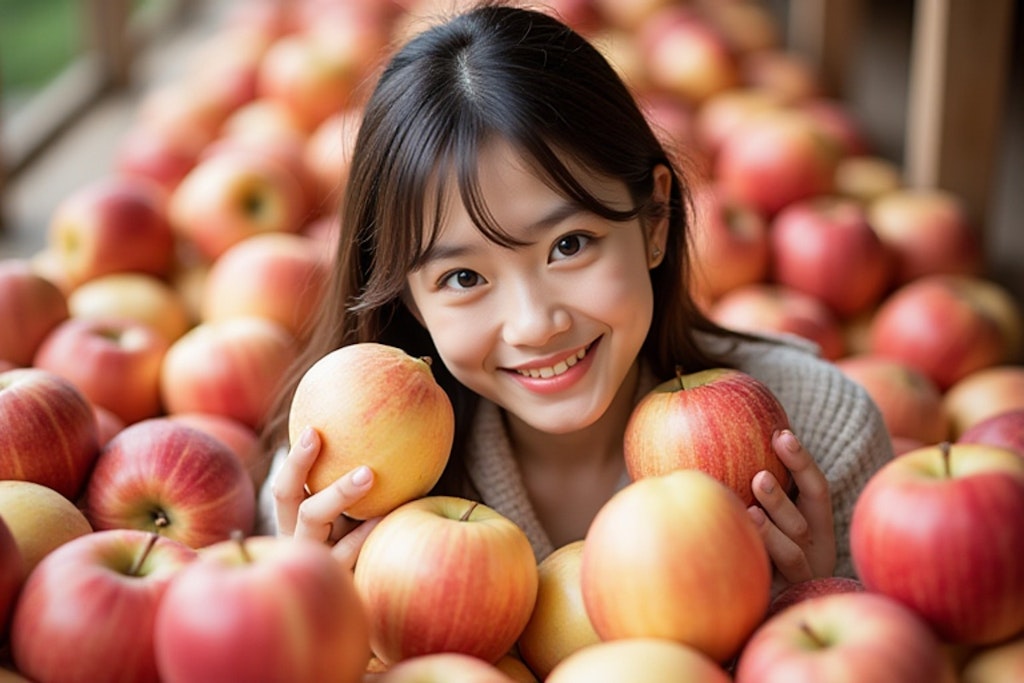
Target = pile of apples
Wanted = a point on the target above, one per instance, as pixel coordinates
(140, 351)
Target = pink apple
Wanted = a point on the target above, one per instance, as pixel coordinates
(1000, 663)
(638, 660)
(164, 476)
(836, 120)
(1005, 429)
(262, 608)
(856, 636)
(444, 667)
(30, 307)
(262, 119)
(49, 433)
(774, 308)
(629, 16)
(100, 591)
(825, 247)
(682, 538)
(983, 394)
(929, 231)
(782, 73)
(152, 153)
(731, 245)
(12, 573)
(930, 531)
(114, 362)
(134, 296)
(328, 153)
(866, 177)
(749, 26)
(910, 402)
(947, 326)
(39, 519)
(812, 588)
(107, 424)
(230, 367)
(228, 62)
(445, 574)
(242, 439)
(185, 111)
(721, 115)
(109, 225)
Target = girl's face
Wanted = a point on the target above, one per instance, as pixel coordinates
(549, 330)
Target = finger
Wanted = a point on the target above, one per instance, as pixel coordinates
(346, 550)
(788, 557)
(813, 498)
(289, 485)
(785, 515)
(318, 512)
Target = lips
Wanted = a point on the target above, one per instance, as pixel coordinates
(558, 368)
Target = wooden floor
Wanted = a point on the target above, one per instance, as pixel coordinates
(877, 95)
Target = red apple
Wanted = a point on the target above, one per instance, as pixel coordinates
(748, 25)
(392, 407)
(983, 394)
(910, 402)
(164, 476)
(836, 120)
(1000, 663)
(782, 73)
(774, 308)
(444, 667)
(230, 367)
(720, 421)
(855, 636)
(262, 608)
(135, 296)
(39, 518)
(30, 307)
(721, 115)
(812, 588)
(444, 574)
(49, 433)
(151, 153)
(107, 424)
(242, 439)
(730, 244)
(114, 362)
(682, 538)
(638, 660)
(866, 177)
(947, 326)
(100, 591)
(263, 119)
(228, 61)
(930, 531)
(328, 153)
(110, 225)
(184, 110)
(12, 574)
(629, 15)
(1004, 429)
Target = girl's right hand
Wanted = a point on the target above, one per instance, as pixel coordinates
(320, 516)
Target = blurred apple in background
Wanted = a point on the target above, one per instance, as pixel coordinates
(183, 110)
(910, 402)
(242, 439)
(262, 608)
(107, 424)
(1005, 429)
(983, 394)
(812, 588)
(229, 367)
(172, 479)
(261, 120)
(721, 114)
(682, 538)
(114, 362)
(930, 530)
(825, 247)
(638, 660)
(836, 121)
(782, 73)
(1001, 663)
(730, 244)
(30, 307)
(135, 296)
(39, 519)
(49, 434)
(929, 231)
(445, 574)
(630, 15)
(228, 62)
(159, 156)
(444, 667)
(773, 308)
(748, 25)
(101, 592)
(109, 225)
(12, 574)
(327, 155)
(866, 177)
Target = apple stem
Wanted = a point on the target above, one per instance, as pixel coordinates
(428, 360)
(679, 376)
(944, 448)
(468, 512)
(238, 537)
(160, 520)
(815, 638)
(137, 563)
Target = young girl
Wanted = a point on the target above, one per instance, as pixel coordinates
(511, 214)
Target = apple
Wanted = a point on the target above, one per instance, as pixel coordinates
(328, 153)
(136, 296)
(262, 608)
(160, 156)
(260, 120)
(559, 624)
(12, 574)
(1000, 663)
(107, 424)
(629, 16)
(720, 115)
(1005, 429)
(748, 25)
(812, 588)
(228, 62)
(720, 421)
(444, 667)
(983, 394)
(242, 439)
(866, 177)
(228, 197)
(167, 477)
(910, 402)
(30, 307)
(114, 362)
(445, 574)
(111, 224)
(184, 110)
(638, 660)
(49, 433)
(280, 276)
(682, 538)
(930, 530)
(856, 636)
(393, 417)
(775, 159)
(773, 308)
(39, 518)
(929, 231)
(514, 667)
(781, 72)
(229, 367)
(947, 326)
(100, 591)
(836, 120)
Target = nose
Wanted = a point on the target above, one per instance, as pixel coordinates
(534, 314)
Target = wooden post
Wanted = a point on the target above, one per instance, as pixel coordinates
(827, 33)
(111, 40)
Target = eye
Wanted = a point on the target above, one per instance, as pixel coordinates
(568, 246)
(461, 279)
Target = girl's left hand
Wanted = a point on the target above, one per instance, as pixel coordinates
(798, 532)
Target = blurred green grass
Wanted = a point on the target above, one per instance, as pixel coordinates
(38, 38)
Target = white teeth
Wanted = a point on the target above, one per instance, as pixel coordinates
(557, 369)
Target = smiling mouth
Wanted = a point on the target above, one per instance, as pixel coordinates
(558, 368)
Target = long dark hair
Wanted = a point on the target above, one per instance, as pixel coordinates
(495, 72)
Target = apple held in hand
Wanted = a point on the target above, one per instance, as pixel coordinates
(719, 421)
(676, 556)
(163, 476)
(86, 613)
(938, 530)
(638, 660)
(265, 608)
(30, 306)
(375, 405)
(445, 574)
(854, 636)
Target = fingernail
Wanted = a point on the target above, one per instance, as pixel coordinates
(767, 483)
(790, 441)
(757, 515)
(361, 475)
(306, 438)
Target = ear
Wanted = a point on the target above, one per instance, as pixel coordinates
(656, 231)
